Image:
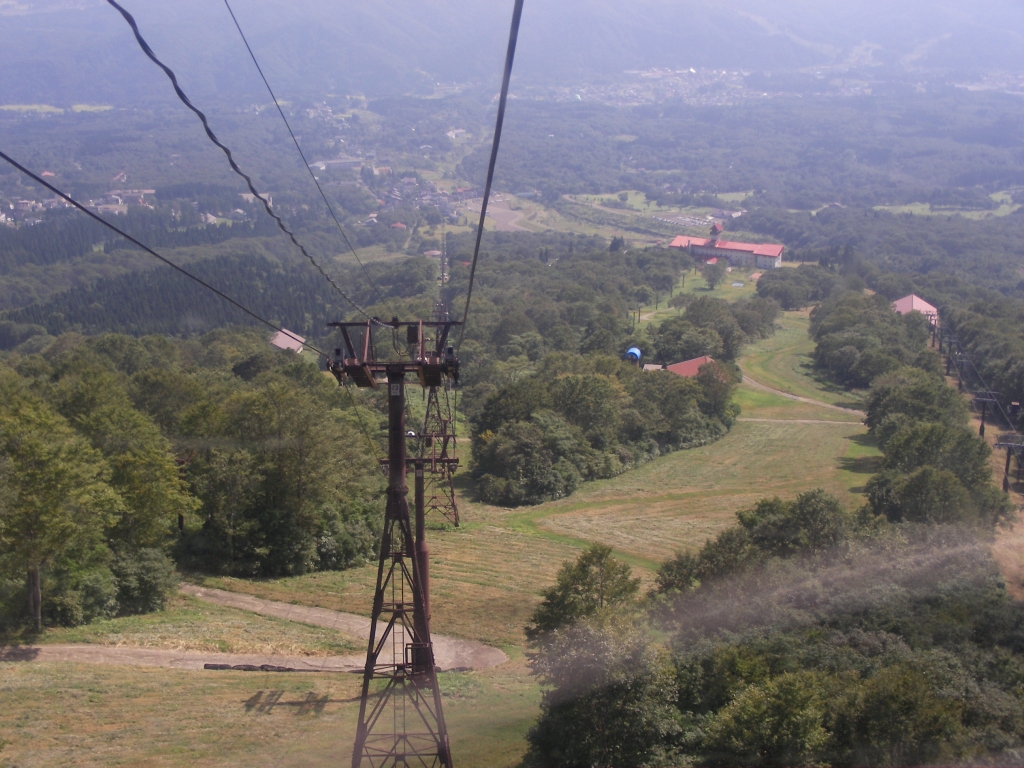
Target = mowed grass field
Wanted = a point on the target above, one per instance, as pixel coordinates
(486, 578)
(91, 715)
(188, 624)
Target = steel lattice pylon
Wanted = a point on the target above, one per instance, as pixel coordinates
(401, 722)
(438, 445)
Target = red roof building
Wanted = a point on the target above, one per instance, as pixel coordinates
(689, 368)
(914, 303)
(760, 255)
(288, 340)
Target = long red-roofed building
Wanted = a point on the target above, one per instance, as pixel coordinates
(760, 255)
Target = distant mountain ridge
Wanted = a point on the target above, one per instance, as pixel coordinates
(80, 51)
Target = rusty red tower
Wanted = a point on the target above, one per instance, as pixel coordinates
(402, 723)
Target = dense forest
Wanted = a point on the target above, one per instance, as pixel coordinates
(889, 148)
(121, 453)
(239, 432)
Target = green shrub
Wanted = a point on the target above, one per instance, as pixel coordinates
(73, 597)
(144, 581)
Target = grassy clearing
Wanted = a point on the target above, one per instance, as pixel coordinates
(191, 625)
(759, 404)
(45, 109)
(485, 577)
(86, 715)
(681, 500)
(1006, 206)
(783, 362)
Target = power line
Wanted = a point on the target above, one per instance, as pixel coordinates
(231, 160)
(149, 250)
(302, 154)
(517, 13)
(186, 273)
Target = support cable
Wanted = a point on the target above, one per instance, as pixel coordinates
(44, 183)
(517, 13)
(231, 160)
(305, 162)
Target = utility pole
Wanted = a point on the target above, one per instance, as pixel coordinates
(985, 399)
(1012, 449)
(403, 724)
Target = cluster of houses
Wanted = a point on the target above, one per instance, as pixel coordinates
(408, 192)
(24, 211)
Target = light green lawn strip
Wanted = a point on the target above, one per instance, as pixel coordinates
(783, 362)
(188, 624)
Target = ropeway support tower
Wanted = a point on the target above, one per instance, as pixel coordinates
(438, 445)
(401, 722)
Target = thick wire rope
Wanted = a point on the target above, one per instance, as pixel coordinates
(231, 160)
(305, 162)
(44, 183)
(517, 13)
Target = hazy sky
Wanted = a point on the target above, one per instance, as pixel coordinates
(60, 50)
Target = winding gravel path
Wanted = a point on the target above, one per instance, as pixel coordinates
(449, 652)
(788, 396)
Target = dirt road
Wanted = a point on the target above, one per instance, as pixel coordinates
(449, 652)
(82, 653)
(788, 396)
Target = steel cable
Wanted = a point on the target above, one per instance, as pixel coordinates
(517, 13)
(303, 156)
(231, 160)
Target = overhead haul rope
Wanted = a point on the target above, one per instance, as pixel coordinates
(302, 154)
(43, 182)
(231, 160)
(517, 13)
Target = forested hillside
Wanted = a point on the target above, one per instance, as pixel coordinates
(220, 452)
